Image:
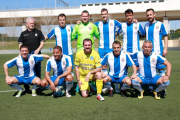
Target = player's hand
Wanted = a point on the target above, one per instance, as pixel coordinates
(164, 52)
(133, 76)
(165, 78)
(8, 80)
(87, 77)
(104, 75)
(36, 51)
(135, 20)
(53, 87)
(80, 83)
(78, 22)
(56, 81)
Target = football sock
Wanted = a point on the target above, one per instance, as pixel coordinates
(99, 85)
(125, 86)
(105, 71)
(108, 86)
(47, 87)
(162, 86)
(136, 85)
(35, 87)
(116, 86)
(69, 85)
(16, 86)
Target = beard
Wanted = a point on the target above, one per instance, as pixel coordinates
(150, 19)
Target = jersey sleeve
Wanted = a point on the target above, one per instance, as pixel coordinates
(20, 40)
(141, 30)
(11, 63)
(38, 58)
(118, 26)
(68, 61)
(48, 65)
(77, 60)
(74, 33)
(104, 60)
(97, 61)
(129, 60)
(160, 59)
(51, 34)
(42, 39)
(163, 29)
(96, 23)
(96, 32)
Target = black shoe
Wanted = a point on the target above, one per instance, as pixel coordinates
(26, 91)
(163, 93)
(149, 91)
(110, 93)
(123, 93)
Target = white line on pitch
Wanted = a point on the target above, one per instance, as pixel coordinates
(8, 91)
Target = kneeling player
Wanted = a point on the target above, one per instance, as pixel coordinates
(88, 67)
(148, 76)
(62, 67)
(118, 62)
(25, 64)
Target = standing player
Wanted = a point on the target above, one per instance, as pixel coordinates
(25, 64)
(34, 39)
(118, 62)
(147, 61)
(62, 35)
(84, 30)
(107, 29)
(155, 30)
(62, 67)
(88, 67)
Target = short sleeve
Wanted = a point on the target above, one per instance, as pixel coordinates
(68, 61)
(48, 66)
(77, 60)
(38, 58)
(20, 40)
(42, 39)
(51, 34)
(11, 63)
(97, 61)
(129, 60)
(118, 26)
(141, 30)
(160, 59)
(104, 60)
(163, 30)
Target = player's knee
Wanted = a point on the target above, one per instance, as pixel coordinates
(38, 82)
(84, 95)
(69, 78)
(98, 75)
(128, 82)
(43, 83)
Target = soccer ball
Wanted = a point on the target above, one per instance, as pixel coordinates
(59, 91)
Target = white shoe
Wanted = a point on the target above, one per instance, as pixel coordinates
(99, 97)
(68, 95)
(19, 93)
(104, 90)
(117, 90)
(34, 93)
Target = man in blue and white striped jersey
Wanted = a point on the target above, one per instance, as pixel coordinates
(25, 65)
(62, 35)
(62, 67)
(118, 62)
(147, 61)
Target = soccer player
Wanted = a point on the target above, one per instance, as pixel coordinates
(88, 67)
(147, 61)
(62, 67)
(84, 30)
(118, 62)
(107, 29)
(62, 35)
(155, 30)
(34, 39)
(25, 64)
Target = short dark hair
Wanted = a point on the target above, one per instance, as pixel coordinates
(85, 11)
(87, 39)
(62, 15)
(150, 10)
(128, 11)
(58, 47)
(104, 9)
(23, 46)
(116, 42)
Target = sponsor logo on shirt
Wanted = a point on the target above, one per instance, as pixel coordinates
(153, 60)
(122, 59)
(90, 28)
(26, 34)
(36, 34)
(157, 27)
(91, 58)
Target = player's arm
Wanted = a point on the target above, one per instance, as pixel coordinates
(165, 45)
(92, 72)
(141, 30)
(42, 39)
(47, 76)
(74, 33)
(45, 56)
(131, 63)
(96, 32)
(118, 26)
(168, 74)
(50, 35)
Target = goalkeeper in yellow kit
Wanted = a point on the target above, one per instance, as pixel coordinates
(88, 67)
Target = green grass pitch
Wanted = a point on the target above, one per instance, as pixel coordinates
(45, 107)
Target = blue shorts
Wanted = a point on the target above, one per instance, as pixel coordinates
(61, 81)
(25, 80)
(135, 61)
(117, 80)
(102, 52)
(149, 81)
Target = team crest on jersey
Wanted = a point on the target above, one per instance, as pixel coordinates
(122, 59)
(153, 60)
(90, 28)
(68, 30)
(64, 62)
(111, 24)
(31, 61)
(157, 27)
(36, 34)
(91, 58)
(135, 27)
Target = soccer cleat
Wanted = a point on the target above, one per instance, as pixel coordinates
(34, 93)
(99, 97)
(110, 93)
(117, 90)
(157, 95)
(19, 94)
(68, 94)
(77, 88)
(123, 93)
(140, 96)
(104, 90)
(163, 93)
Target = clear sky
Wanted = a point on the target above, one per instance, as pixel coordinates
(28, 4)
